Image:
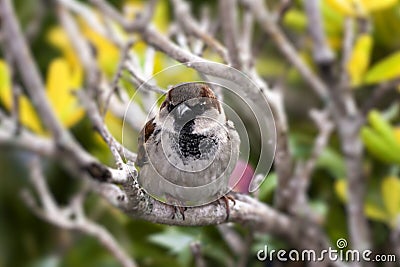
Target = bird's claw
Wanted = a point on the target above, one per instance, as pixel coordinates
(179, 209)
(226, 199)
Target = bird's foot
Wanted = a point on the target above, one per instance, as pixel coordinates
(176, 206)
(179, 209)
(226, 199)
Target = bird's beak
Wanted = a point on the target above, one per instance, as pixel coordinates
(182, 110)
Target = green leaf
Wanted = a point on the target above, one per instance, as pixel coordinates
(343, 7)
(295, 19)
(319, 207)
(332, 162)
(391, 195)
(268, 186)
(172, 239)
(386, 69)
(341, 189)
(47, 261)
(383, 128)
(378, 147)
(375, 213)
(360, 58)
(373, 5)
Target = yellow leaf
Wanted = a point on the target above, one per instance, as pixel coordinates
(333, 25)
(375, 5)
(62, 80)
(27, 114)
(335, 42)
(345, 7)
(396, 131)
(376, 213)
(107, 53)
(5, 84)
(386, 69)
(359, 60)
(161, 18)
(114, 125)
(296, 19)
(359, 8)
(390, 189)
(59, 39)
(341, 189)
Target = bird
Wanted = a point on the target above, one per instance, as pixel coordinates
(188, 150)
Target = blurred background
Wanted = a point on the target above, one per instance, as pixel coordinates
(26, 240)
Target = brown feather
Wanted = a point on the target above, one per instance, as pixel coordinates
(144, 135)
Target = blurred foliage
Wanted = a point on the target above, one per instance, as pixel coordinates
(381, 139)
(28, 241)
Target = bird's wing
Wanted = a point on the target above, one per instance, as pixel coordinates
(144, 134)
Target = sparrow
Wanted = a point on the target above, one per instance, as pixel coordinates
(187, 152)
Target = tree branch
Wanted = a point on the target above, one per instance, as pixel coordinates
(70, 217)
(228, 15)
(15, 44)
(282, 43)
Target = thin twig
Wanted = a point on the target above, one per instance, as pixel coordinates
(325, 127)
(246, 43)
(378, 94)
(70, 217)
(283, 8)
(82, 49)
(140, 82)
(138, 23)
(322, 53)
(191, 26)
(199, 261)
(16, 94)
(304, 171)
(116, 148)
(117, 76)
(228, 14)
(231, 238)
(246, 253)
(35, 24)
(282, 43)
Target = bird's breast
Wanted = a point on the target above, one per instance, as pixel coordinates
(194, 146)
